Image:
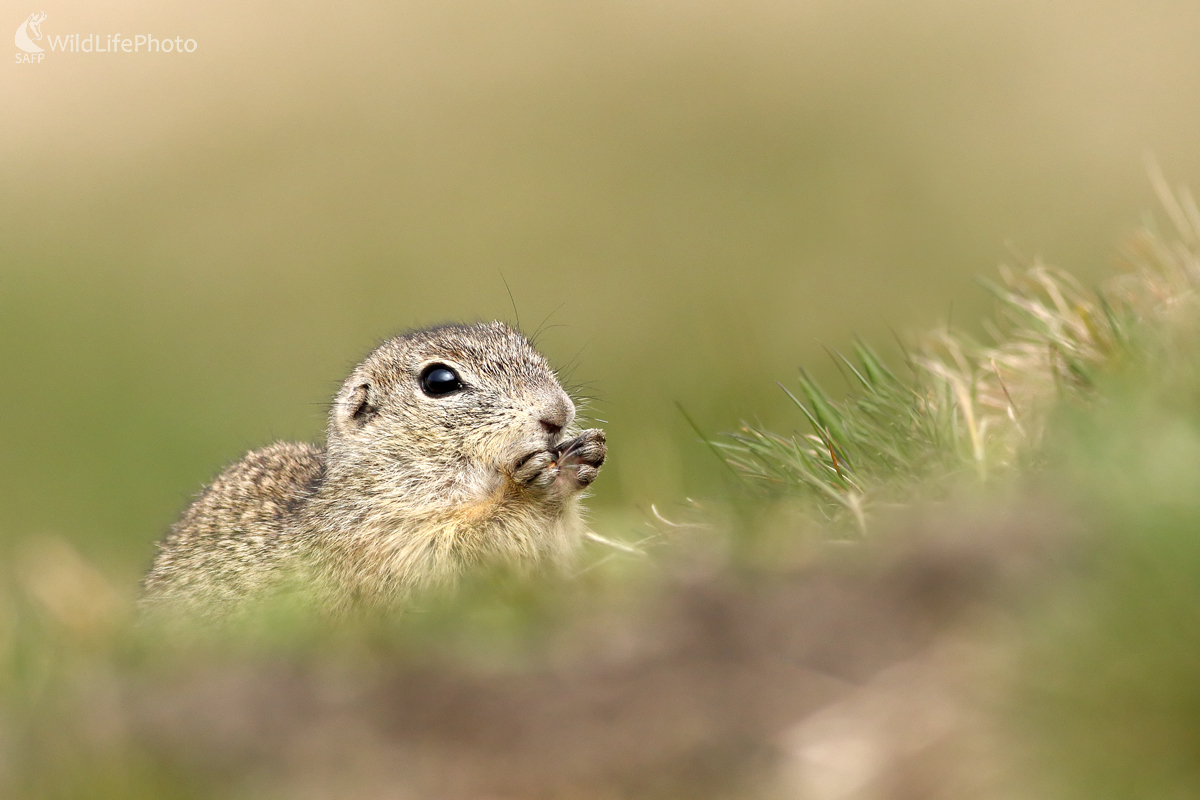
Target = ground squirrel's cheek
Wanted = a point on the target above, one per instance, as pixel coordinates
(496, 450)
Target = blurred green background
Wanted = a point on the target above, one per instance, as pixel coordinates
(196, 248)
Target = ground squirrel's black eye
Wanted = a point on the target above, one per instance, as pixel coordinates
(438, 380)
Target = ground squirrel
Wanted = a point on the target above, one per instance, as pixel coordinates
(446, 447)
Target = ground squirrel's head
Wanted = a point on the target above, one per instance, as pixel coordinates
(451, 406)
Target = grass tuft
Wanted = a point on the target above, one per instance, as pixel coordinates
(965, 410)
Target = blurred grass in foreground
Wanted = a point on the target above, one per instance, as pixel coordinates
(1030, 633)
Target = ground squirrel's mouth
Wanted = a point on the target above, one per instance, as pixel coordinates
(564, 449)
(560, 449)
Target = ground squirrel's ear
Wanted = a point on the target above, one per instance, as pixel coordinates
(359, 409)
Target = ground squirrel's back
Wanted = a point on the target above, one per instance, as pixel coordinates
(446, 448)
(229, 543)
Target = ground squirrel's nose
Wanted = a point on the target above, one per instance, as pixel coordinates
(556, 416)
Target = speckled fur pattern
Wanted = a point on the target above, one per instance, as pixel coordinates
(410, 491)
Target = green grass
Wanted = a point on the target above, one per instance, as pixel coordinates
(960, 410)
(1087, 401)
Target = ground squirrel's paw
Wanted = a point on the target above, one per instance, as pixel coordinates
(579, 459)
(565, 469)
(537, 470)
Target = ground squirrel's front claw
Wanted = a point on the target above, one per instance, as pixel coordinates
(579, 460)
(585, 474)
(588, 448)
(536, 470)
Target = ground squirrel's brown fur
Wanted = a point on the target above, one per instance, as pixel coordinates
(446, 448)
